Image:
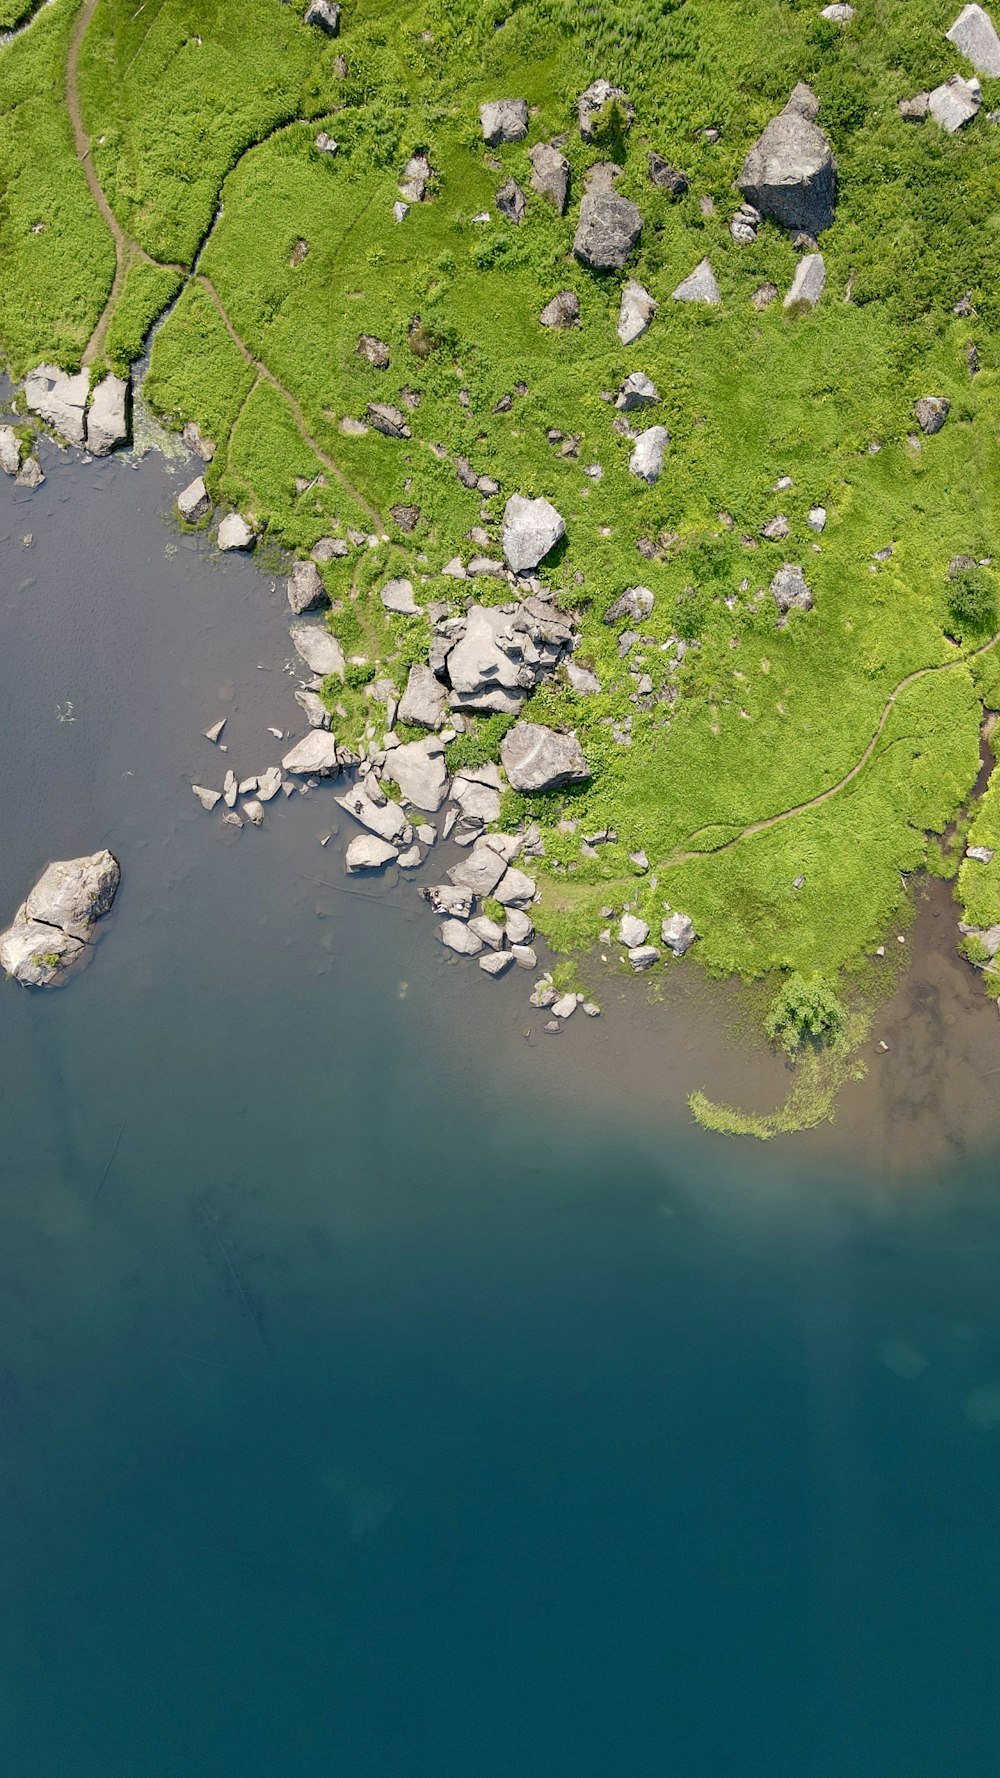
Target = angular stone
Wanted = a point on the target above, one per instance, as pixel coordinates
(643, 956)
(816, 518)
(397, 595)
(269, 784)
(667, 177)
(636, 312)
(38, 956)
(699, 286)
(608, 229)
(646, 460)
(321, 652)
(551, 174)
(931, 412)
(789, 589)
(504, 120)
(636, 602)
(458, 937)
(388, 420)
(955, 102)
(632, 931)
(636, 391)
(305, 588)
(193, 502)
(235, 533)
(59, 400)
(480, 871)
(10, 451)
(496, 962)
(207, 798)
(974, 34)
(582, 680)
(367, 852)
(74, 893)
(838, 14)
(790, 173)
(315, 755)
(807, 286)
(374, 350)
(315, 711)
(423, 701)
(196, 441)
(325, 15)
(419, 769)
(562, 311)
(511, 201)
(678, 933)
(30, 474)
(537, 758)
(254, 812)
(445, 899)
(531, 528)
(916, 109)
(384, 818)
(515, 888)
(107, 420)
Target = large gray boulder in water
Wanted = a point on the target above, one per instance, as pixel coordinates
(531, 528)
(537, 758)
(790, 173)
(608, 229)
(53, 929)
(107, 421)
(58, 399)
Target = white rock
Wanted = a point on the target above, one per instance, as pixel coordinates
(58, 399)
(808, 284)
(699, 286)
(235, 532)
(480, 871)
(584, 682)
(51, 930)
(564, 1007)
(636, 312)
(647, 457)
(207, 798)
(955, 102)
(457, 937)
(410, 859)
(633, 931)
(367, 852)
(524, 956)
(320, 651)
(212, 734)
(816, 519)
(678, 933)
(514, 888)
(643, 956)
(193, 502)
(315, 755)
(10, 451)
(254, 812)
(974, 34)
(504, 120)
(838, 14)
(107, 421)
(386, 819)
(496, 962)
(397, 595)
(531, 528)
(424, 699)
(488, 930)
(420, 771)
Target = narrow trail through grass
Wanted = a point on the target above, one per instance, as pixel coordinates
(825, 796)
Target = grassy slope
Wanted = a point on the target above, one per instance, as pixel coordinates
(758, 719)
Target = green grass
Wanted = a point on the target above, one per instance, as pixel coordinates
(147, 291)
(305, 256)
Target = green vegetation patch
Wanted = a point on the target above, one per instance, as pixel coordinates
(146, 293)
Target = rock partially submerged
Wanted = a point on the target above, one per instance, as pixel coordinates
(367, 852)
(320, 651)
(194, 502)
(790, 173)
(538, 758)
(107, 420)
(316, 755)
(58, 399)
(53, 929)
(236, 532)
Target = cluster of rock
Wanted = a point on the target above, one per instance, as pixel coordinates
(677, 935)
(236, 531)
(52, 932)
(956, 101)
(96, 420)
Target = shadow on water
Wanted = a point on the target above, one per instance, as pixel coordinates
(382, 1391)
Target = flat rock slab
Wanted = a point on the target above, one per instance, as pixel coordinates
(647, 457)
(531, 528)
(397, 595)
(419, 769)
(53, 928)
(974, 33)
(954, 103)
(538, 758)
(321, 652)
(699, 286)
(59, 400)
(305, 589)
(808, 284)
(316, 755)
(385, 818)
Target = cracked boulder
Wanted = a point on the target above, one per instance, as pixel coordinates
(59, 400)
(538, 758)
(107, 420)
(52, 931)
(531, 528)
(790, 173)
(608, 229)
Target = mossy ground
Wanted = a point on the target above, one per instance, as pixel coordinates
(305, 256)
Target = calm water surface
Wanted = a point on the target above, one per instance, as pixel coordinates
(385, 1394)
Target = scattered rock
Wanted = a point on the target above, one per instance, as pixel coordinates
(775, 528)
(955, 102)
(321, 652)
(678, 933)
(562, 311)
(400, 211)
(564, 1007)
(790, 173)
(10, 451)
(514, 889)
(107, 420)
(305, 589)
(665, 176)
(480, 871)
(636, 391)
(325, 144)
(537, 758)
(582, 680)
(981, 854)
(511, 201)
(504, 120)
(382, 817)
(269, 784)
(789, 590)
(974, 34)
(59, 400)
(417, 175)
(325, 14)
(816, 518)
(636, 602)
(388, 420)
(212, 734)
(406, 517)
(367, 852)
(744, 225)
(53, 929)
(254, 812)
(608, 229)
(207, 798)
(444, 899)
(316, 755)
(531, 528)
(315, 711)
(931, 412)
(807, 286)
(591, 103)
(397, 595)
(193, 502)
(30, 474)
(551, 174)
(235, 533)
(699, 286)
(636, 312)
(423, 701)
(632, 931)
(838, 14)
(456, 936)
(916, 109)
(374, 350)
(643, 957)
(646, 460)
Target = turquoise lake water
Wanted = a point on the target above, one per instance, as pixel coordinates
(386, 1395)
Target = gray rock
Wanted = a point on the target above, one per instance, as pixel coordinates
(315, 755)
(196, 441)
(367, 852)
(325, 144)
(423, 701)
(460, 938)
(981, 854)
(807, 286)
(678, 933)
(269, 784)
(321, 652)
(327, 549)
(667, 177)
(775, 528)
(636, 391)
(643, 957)
(916, 109)
(525, 956)
(107, 421)
(59, 400)
(446, 899)
(790, 173)
(591, 103)
(562, 311)
(420, 771)
(496, 962)
(305, 588)
(608, 229)
(411, 859)
(515, 888)
(504, 120)
(230, 790)
(193, 502)
(974, 34)
(384, 818)
(636, 312)
(764, 296)
(325, 15)
(511, 201)
(699, 286)
(388, 420)
(537, 758)
(564, 1006)
(488, 930)
(646, 460)
(397, 595)
(816, 518)
(417, 175)
(477, 801)
(30, 474)
(838, 14)
(636, 602)
(53, 928)
(374, 350)
(582, 680)
(254, 812)
(518, 929)
(316, 713)
(789, 590)
(931, 412)
(531, 528)
(480, 871)
(10, 451)
(207, 798)
(551, 174)
(632, 931)
(955, 102)
(235, 532)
